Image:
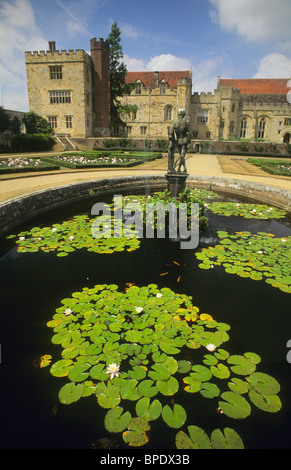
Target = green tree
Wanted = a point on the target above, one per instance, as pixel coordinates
(118, 85)
(36, 124)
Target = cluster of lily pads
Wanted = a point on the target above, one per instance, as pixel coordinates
(125, 348)
(259, 256)
(246, 210)
(75, 234)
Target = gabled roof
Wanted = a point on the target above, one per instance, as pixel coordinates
(148, 78)
(258, 86)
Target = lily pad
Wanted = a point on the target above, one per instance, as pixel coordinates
(136, 434)
(197, 439)
(116, 420)
(70, 393)
(147, 410)
(229, 439)
(234, 405)
(168, 387)
(108, 397)
(174, 417)
(159, 372)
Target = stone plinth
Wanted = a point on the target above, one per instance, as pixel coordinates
(176, 183)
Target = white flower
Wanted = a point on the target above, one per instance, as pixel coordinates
(69, 311)
(139, 309)
(71, 238)
(21, 239)
(260, 252)
(283, 240)
(113, 370)
(54, 230)
(211, 347)
(159, 295)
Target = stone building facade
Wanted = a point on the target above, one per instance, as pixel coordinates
(72, 90)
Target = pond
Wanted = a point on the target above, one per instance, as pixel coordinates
(217, 358)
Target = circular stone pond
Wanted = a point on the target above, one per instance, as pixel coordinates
(137, 343)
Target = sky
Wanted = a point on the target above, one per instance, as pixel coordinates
(227, 38)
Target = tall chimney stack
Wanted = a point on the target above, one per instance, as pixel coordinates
(52, 46)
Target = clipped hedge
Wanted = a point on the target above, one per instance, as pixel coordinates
(274, 167)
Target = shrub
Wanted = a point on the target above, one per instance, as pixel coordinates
(109, 143)
(32, 142)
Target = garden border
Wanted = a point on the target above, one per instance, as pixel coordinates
(18, 210)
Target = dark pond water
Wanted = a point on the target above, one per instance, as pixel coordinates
(33, 284)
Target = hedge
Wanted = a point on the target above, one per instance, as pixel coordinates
(32, 142)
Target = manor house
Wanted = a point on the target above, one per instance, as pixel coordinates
(71, 89)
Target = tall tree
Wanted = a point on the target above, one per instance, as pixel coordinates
(118, 85)
(36, 124)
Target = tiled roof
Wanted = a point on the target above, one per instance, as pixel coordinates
(148, 78)
(261, 86)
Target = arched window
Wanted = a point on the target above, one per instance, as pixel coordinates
(262, 128)
(168, 113)
(243, 129)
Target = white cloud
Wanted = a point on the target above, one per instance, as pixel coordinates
(18, 33)
(255, 20)
(129, 31)
(274, 66)
(165, 62)
(133, 64)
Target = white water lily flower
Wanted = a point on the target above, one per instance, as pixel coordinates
(21, 238)
(159, 295)
(283, 240)
(210, 347)
(260, 252)
(139, 309)
(113, 370)
(71, 238)
(54, 230)
(69, 311)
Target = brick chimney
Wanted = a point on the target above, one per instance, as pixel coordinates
(101, 86)
(52, 46)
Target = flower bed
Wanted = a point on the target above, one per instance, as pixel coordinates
(102, 159)
(17, 165)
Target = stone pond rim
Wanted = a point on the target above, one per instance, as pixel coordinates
(20, 209)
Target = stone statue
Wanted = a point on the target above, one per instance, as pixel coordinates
(171, 150)
(178, 134)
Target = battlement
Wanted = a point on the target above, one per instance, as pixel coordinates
(55, 55)
(100, 44)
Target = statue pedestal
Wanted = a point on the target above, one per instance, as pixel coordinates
(176, 183)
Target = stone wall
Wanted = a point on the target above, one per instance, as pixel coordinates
(16, 211)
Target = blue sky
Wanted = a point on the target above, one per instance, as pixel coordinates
(230, 38)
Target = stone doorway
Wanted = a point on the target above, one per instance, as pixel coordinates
(287, 138)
